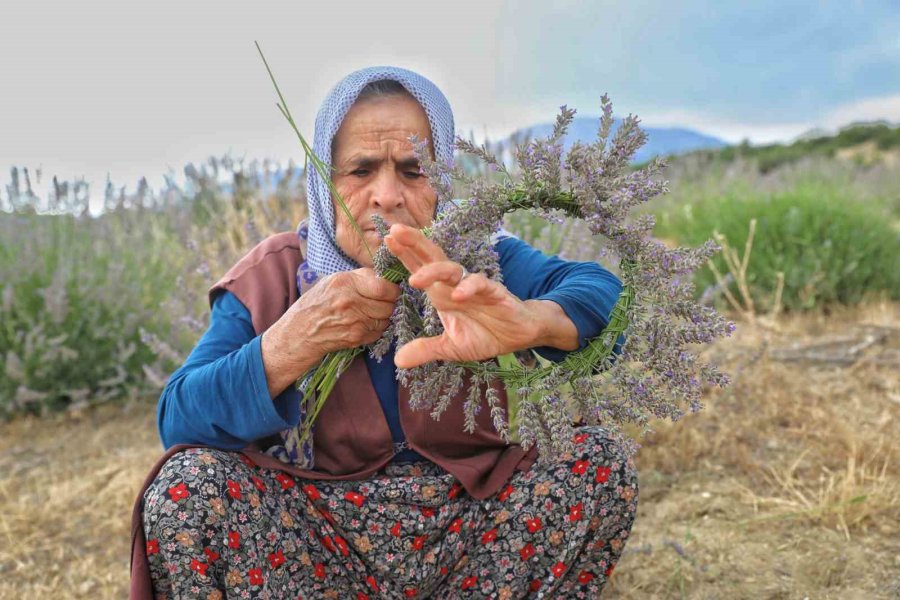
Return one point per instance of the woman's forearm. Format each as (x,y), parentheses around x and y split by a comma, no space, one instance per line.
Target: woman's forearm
(219,396)
(553,327)
(585,291)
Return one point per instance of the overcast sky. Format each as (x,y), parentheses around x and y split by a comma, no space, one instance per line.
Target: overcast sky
(123,88)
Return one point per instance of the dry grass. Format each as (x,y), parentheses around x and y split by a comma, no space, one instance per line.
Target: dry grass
(785,486)
(66,489)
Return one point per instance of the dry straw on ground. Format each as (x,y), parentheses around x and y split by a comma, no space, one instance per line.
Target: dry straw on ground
(786,486)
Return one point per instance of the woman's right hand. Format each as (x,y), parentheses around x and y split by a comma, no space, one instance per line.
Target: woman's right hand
(344,310)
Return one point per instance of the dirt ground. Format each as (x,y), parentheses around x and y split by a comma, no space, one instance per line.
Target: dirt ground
(787,485)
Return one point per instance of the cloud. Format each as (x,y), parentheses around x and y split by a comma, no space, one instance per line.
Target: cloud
(763,132)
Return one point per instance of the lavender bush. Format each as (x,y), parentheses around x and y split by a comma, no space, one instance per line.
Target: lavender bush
(102,308)
(75,293)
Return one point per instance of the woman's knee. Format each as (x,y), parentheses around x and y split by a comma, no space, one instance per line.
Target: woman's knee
(611,463)
(192,474)
(597,443)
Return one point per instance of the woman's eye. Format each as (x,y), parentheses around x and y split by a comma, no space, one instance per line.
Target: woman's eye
(360,172)
(412,174)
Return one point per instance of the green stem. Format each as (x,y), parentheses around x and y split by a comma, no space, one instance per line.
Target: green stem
(320,166)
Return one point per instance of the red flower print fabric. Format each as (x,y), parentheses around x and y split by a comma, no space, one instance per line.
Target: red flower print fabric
(219,526)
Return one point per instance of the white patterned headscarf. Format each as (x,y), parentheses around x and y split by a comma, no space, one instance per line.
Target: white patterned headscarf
(324,256)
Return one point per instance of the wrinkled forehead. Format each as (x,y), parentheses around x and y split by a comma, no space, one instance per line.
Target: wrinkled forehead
(373,119)
(346,93)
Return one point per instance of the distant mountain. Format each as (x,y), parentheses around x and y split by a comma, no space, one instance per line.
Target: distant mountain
(812,134)
(661,141)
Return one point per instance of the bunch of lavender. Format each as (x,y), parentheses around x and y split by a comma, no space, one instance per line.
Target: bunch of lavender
(652,374)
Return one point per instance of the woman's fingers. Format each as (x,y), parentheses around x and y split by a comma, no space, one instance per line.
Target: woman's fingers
(474,285)
(479,286)
(420,351)
(404,254)
(409,243)
(369,285)
(445,271)
(376,310)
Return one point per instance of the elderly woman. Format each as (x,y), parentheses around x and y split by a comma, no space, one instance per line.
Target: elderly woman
(396,504)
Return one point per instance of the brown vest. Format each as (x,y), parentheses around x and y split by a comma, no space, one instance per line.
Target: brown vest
(352,439)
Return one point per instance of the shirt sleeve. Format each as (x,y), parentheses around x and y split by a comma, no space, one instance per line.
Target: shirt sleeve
(586,291)
(219,396)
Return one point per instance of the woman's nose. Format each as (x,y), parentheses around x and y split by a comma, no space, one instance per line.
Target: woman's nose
(387,194)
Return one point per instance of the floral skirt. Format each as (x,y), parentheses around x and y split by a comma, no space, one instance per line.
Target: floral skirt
(218,526)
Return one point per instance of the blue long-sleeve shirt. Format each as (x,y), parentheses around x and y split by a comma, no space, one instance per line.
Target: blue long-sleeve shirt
(219,397)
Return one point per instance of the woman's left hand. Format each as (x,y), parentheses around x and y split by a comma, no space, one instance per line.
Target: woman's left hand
(481,318)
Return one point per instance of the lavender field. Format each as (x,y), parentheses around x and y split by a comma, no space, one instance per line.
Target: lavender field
(787,485)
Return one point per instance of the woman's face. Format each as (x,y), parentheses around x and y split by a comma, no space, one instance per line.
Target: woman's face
(376,171)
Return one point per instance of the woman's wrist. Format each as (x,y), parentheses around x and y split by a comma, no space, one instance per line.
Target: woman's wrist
(282,363)
(551,326)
